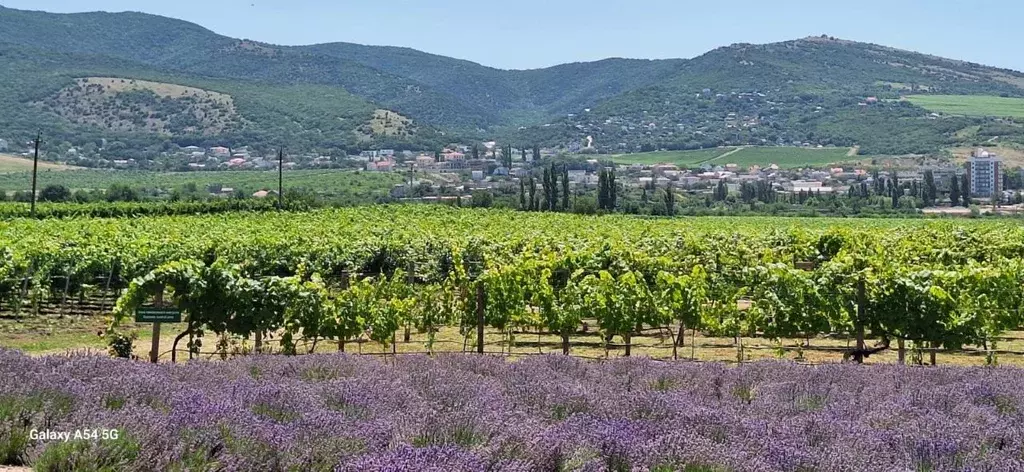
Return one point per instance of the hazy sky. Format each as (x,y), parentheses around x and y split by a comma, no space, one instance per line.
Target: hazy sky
(538,33)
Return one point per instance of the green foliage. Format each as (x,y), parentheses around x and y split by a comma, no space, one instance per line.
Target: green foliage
(90,455)
(121,345)
(971,105)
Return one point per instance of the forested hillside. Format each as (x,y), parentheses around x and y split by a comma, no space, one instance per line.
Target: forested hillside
(815,91)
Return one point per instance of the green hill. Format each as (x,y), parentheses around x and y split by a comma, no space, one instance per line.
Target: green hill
(813,91)
(818,91)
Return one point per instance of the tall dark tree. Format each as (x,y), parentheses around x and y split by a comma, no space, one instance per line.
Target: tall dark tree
(604,190)
(965,191)
(929,193)
(613,191)
(523,153)
(670,201)
(954,191)
(565,188)
(546,185)
(897,192)
(476,152)
(554,188)
(722,191)
(533,191)
(522,195)
(536,152)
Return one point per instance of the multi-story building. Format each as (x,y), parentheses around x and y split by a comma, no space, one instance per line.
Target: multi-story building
(984,174)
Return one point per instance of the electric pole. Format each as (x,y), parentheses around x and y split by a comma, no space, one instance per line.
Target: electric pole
(35,167)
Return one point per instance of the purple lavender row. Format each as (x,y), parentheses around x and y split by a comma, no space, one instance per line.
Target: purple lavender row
(476,413)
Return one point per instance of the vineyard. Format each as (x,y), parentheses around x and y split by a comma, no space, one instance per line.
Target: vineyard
(303,281)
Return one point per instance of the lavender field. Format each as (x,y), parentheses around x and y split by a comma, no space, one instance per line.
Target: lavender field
(473,413)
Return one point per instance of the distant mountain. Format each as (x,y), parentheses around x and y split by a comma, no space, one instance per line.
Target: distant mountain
(818,91)
(330,97)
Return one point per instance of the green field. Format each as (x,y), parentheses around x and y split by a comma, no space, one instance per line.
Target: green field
(785,157)
(9,163)
(329,181)
(680,158)
(971,105)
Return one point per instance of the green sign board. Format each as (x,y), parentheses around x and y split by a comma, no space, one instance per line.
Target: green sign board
(148,314)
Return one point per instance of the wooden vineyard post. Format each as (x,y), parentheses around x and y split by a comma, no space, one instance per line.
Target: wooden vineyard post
(481,299)
(859,323)
(410,279)
(344,286)
(902,352)
(154,351)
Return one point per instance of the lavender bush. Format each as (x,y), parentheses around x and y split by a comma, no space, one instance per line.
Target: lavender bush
(473,413)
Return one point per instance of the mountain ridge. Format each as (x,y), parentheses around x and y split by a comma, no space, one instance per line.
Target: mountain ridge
(811,88)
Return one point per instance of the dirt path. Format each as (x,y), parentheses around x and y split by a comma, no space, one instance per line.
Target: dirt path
(853,151)
(727,154)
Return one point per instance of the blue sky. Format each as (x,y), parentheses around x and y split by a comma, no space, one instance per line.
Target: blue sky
(538,33)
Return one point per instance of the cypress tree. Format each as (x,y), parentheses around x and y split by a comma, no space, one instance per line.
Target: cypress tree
(929,192)
(897,192)
(965,191)
(522,195)
(612,191)
(546,185)
(670,201)
(954,191)
(554,188)
(533,190)
(565,188)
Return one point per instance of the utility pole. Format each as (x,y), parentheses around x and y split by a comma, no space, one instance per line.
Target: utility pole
(280,179)
(35,168)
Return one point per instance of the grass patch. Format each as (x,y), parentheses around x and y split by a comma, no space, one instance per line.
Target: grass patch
(679,158)
(971,105)
(20,414)
(11,163)
(349,409)
(87,455)
(320,374)
(786,157)
(461,434)
(273,413)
